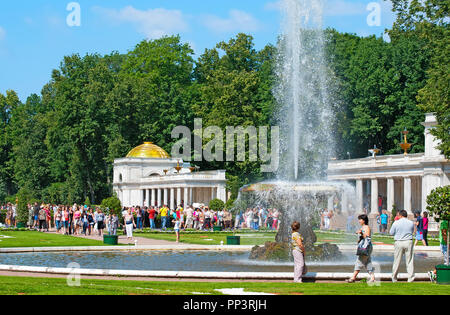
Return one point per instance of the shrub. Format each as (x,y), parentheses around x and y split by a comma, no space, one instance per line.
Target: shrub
(112,205)
(216,205)
(24,197)
(439,203)
(439,206)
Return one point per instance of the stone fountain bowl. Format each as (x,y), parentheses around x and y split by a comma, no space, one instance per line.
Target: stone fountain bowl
(276,251)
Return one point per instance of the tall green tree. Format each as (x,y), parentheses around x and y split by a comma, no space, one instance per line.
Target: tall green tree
(235,82)
(27,130)
(153,94)
(81,116)
(378,83)
(429,20)
(8,104)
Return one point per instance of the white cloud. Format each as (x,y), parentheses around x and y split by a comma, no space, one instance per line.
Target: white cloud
(2,33)
(237,21)
(153,23)
(340,7)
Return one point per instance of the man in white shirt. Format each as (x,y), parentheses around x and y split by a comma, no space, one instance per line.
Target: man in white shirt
(189,219)
(403,231)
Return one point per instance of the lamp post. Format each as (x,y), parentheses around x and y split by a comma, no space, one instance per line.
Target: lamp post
(178,168)
(405,145)
(374,151)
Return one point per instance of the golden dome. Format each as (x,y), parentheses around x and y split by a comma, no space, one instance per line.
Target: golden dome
(148,151)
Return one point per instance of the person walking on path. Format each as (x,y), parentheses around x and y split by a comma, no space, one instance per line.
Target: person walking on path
(419,229)
(298,251)
(42,219)
(443,234)
(36,209)
(364,256)
(384,222)
(113,224)
(58,220)
(152,217)
(177,224)
(49,218)
(139,218)
(189,212)
(425,222)
(129,224)
(403,231)
(65,221)
(164,212)
(100,221)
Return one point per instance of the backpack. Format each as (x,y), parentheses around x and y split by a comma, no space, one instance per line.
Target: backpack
(364,247)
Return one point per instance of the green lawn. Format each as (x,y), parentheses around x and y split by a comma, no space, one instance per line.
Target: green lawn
(211,238)
(37,239)
(48,286)
(259,238)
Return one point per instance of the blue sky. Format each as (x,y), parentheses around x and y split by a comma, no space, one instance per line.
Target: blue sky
(35,36)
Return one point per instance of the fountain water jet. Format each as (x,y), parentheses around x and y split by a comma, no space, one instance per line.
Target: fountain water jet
(305,117)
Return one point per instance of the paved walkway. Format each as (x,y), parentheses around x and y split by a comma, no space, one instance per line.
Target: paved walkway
(141,241)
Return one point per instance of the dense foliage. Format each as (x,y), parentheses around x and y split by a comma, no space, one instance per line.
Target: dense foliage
(439,203)
(60,145)
(429,21)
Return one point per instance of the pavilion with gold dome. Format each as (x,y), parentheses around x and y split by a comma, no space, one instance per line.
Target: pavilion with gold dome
(148,176)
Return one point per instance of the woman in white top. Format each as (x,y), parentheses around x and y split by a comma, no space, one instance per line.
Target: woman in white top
(129,224)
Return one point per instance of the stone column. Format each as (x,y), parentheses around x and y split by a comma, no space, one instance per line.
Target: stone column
(142,203)
(186,197)
(407,204)
(191,195)
(374,196)
(213,193)
(166,196)
(178,196)
(172,198)
(153,202)
(159,198)
(344,202)
(359,195)
(390,194)
(222,193)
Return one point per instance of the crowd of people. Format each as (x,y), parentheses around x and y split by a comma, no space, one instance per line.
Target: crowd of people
(85,220)
(257,218)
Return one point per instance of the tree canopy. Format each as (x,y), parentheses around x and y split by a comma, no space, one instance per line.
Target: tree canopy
(60,145)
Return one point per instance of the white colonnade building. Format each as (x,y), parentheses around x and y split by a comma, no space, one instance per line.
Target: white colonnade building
(401,180)
(148,177)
